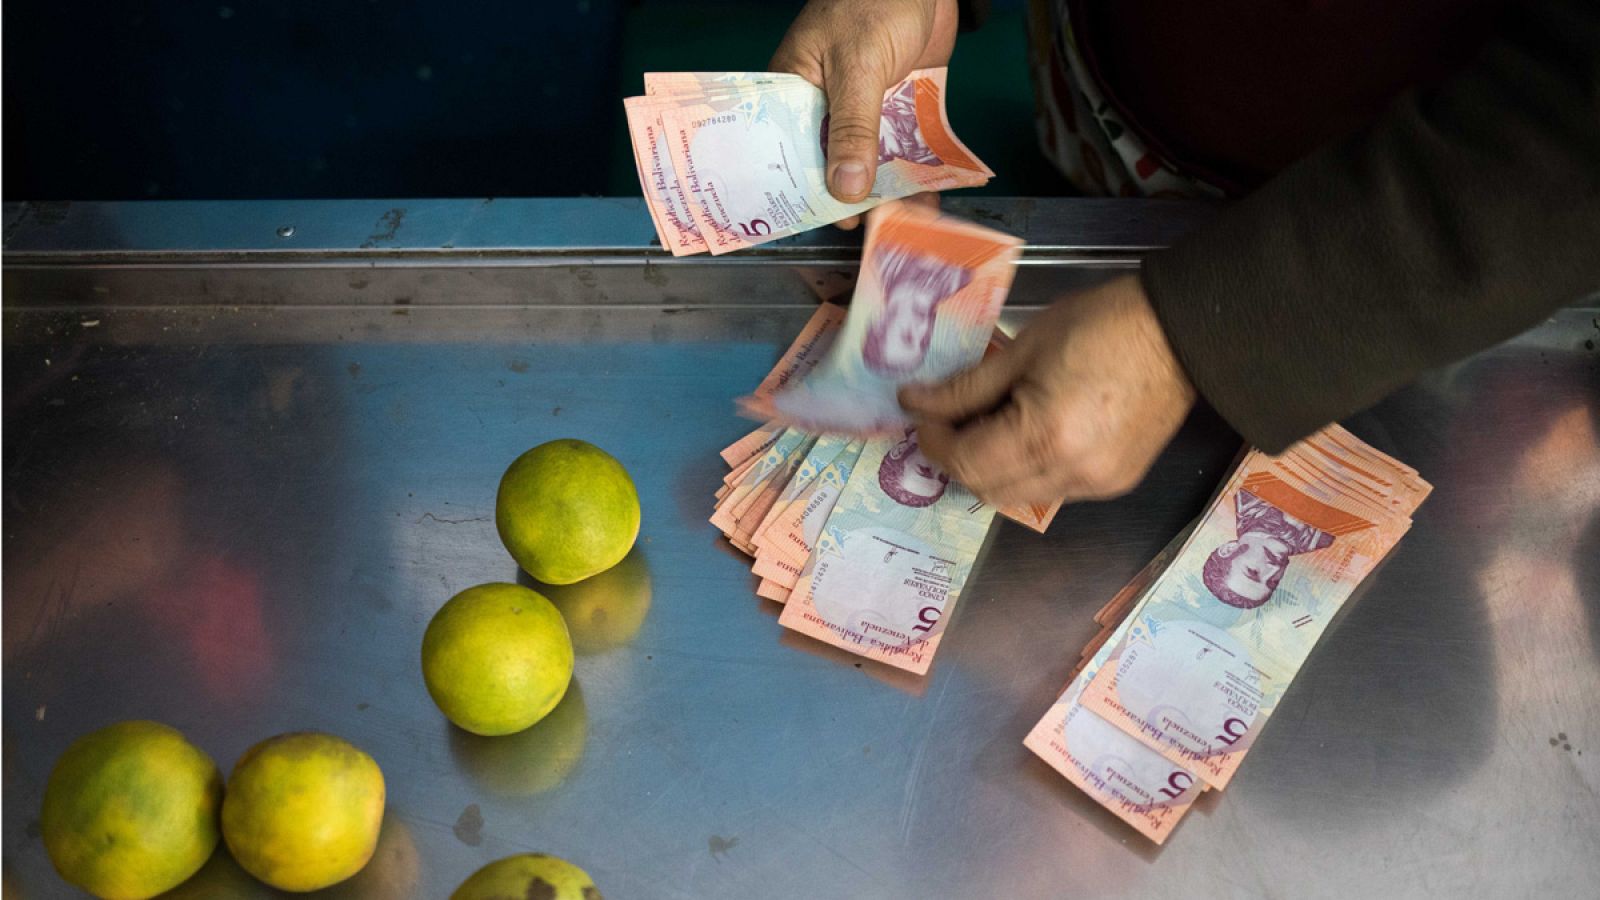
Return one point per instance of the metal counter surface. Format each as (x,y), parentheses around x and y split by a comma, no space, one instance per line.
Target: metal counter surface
(234,509)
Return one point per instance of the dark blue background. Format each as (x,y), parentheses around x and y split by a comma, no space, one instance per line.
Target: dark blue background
(360,98)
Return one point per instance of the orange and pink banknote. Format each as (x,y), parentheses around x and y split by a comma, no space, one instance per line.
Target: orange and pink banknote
(1194,655)
(728,160)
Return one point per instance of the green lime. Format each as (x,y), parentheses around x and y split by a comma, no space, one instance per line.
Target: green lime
(497,658)
(131,810)
(528,875)
(566,510)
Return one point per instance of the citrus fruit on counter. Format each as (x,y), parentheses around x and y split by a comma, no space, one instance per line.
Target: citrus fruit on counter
(528,875)
(303,810)
(607,610)
(131,810)
(497,658)
(566,510)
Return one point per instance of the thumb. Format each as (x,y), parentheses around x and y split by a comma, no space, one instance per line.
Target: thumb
(966,394)
(855,108)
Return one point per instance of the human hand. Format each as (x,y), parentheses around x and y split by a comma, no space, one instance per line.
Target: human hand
(1078,406)
(855,50)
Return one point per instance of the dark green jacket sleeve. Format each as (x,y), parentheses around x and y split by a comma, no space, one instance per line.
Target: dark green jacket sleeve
(1462,217)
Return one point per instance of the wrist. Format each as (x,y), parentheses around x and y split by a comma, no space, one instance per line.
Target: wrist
(1151,342)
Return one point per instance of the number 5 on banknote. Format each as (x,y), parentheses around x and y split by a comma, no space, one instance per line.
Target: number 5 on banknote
(1208,656)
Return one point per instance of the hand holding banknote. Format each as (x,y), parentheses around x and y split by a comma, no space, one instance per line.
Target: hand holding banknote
(855,51)
(1079,406)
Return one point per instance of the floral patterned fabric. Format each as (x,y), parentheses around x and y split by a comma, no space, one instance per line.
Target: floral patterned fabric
(1080,131)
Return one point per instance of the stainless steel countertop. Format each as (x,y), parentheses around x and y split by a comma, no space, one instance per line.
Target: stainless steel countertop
(240,478)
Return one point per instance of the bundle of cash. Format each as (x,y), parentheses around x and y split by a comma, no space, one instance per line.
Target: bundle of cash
(1194,655)
(728,160)
(866,542)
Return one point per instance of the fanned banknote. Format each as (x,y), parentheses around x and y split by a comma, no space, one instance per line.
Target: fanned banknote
(728,160)
(803,355)
(790,501)
(784,546)
(892,558)
(925,307)
(769,473)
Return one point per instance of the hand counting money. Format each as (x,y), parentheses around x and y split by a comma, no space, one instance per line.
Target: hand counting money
(862,537)
(728,160)
(924,308)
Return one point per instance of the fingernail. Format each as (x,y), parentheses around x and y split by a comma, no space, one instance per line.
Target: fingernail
(850,179)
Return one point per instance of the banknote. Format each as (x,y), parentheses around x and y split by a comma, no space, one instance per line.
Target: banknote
(892,558)
(664,195)
(783,547)
(925,306)
(1206,657)
(747,155)
(749,519)
(740,451)
(766,466)
(771,590)
(1136,783)
(758,489)
(806,351)
(1205,638)
(806,471)
(690,84)
(802,355)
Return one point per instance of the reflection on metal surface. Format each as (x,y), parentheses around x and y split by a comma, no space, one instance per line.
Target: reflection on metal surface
(214,608)
(239,522)
(604,611)
(221,876)
(393,873)
(107,528)
(531,761)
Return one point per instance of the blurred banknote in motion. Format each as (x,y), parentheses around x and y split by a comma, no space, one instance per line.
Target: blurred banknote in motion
(925,306)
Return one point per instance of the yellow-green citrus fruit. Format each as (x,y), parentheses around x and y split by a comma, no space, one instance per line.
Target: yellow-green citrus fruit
(566,510)
(528,875)
(497,658)
(303,810)
(131,810)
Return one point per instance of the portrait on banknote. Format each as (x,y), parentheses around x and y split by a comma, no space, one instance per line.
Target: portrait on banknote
(899,133)
(909,478)
(1245,571)
(913,286)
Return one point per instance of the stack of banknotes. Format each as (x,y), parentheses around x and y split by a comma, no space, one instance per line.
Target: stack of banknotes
(728,160)
(862,538)
(1194,655)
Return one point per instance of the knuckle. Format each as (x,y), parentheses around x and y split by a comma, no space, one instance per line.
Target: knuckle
(957,389)
(1108,473)
(961,468)
(853,131)
(956,467)
(1044,448)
